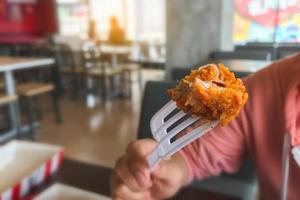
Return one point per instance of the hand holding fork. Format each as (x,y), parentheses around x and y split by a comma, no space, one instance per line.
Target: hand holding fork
(139,175)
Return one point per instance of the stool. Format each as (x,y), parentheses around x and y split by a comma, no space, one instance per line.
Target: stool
(31,90)
(8,99)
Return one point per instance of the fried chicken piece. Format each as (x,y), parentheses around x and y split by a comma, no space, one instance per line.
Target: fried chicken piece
(212,92)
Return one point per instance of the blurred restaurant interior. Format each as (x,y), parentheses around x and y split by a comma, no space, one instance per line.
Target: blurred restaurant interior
(84,77)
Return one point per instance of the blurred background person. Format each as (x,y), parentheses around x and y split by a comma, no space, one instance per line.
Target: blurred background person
(117,34)
(92,31)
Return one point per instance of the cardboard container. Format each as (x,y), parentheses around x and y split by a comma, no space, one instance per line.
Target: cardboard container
(24,165)
(60,191)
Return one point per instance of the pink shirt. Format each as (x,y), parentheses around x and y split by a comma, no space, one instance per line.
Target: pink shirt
(272,110)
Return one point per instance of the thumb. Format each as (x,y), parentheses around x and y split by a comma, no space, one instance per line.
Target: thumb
(168,177)
(137,152)
(172,171)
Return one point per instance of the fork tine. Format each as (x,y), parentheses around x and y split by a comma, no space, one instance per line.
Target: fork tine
(170,105)
(158,118)
(160,131)
(180,127)
(189,137)
(166,149)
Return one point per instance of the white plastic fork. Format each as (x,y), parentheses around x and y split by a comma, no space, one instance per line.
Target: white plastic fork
(159,126)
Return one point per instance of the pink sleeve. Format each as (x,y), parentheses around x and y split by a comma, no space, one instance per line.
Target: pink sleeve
(220,150)
(271,111)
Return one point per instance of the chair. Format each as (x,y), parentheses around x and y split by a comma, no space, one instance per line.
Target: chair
(100,69)
(240,74)
(178,73)
(245,55)
(6,99)
(154,98)
(90,54)
(151,56)
(284,51)
(9,99)
(6,50)
(29,90)
(68,67)
(241,184)
(43,74)
(267,48)
(105,74)
(131,68)
(67,60)
(2,82)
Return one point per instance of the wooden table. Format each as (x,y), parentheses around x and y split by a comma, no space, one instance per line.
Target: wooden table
(249,66)
(96,179)
(7,66)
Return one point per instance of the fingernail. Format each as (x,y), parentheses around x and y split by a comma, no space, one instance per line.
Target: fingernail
(141,179)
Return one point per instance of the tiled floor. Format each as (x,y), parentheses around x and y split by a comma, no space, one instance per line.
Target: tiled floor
(97,135)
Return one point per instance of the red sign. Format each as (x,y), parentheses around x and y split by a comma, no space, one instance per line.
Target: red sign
(17,19)
(27,19)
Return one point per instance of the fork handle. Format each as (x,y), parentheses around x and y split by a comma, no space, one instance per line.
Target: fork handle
(155,156)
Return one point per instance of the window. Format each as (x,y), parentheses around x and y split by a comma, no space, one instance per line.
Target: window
(102,10)
(73,17)
(142,19)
